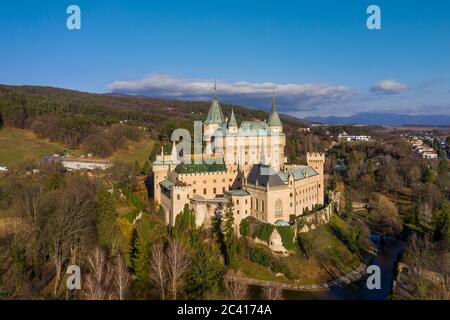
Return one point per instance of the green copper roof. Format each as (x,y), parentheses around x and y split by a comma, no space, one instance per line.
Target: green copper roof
(232,121)
(274,118)
(215,114)
(200,168)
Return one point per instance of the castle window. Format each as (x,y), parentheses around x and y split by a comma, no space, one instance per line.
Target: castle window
(291,195)
(237,201)
(178,197)
(223,189)
(291,204)
(204,191)
(262,205)
(214,181)
(278,208)
(214,190)
(256,203)
(238,212)
(195,191)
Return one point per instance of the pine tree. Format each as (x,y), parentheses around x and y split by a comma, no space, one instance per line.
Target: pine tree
(1,120)
(229,236)
(146,169)
(207,271)
(140,259)
(441,223)
(348,209)
(106,214)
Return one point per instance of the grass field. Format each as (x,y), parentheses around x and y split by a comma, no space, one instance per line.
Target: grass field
(135,151)
(17,145)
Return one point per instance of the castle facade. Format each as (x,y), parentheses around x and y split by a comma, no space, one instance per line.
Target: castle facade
(242,163)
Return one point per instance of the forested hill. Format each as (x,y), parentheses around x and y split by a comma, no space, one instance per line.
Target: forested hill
(80,119)
(21,105)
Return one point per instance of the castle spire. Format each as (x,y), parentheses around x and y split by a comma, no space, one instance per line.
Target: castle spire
(232,121)
(274,118)
(215,114)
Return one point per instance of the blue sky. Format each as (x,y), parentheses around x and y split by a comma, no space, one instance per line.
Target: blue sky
(319,55)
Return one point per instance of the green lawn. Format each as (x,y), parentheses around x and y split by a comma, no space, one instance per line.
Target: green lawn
(17,145)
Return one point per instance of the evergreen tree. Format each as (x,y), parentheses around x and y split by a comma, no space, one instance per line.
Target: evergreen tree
(1,120)
(146,169)
(441,223)
(413,214)
(140,259)
(348,209)
(106,219)
(133,251)
(207,270)
(229,236)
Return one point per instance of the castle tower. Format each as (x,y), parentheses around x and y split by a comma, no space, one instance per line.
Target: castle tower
(213,120)
(232,123)
(277,139)
(274,121)
(316,160)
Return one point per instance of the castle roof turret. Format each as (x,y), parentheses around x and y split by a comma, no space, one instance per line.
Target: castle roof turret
(215,114)
(274,118)
(232,121)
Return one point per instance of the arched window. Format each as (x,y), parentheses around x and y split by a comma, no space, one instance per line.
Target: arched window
(278,208)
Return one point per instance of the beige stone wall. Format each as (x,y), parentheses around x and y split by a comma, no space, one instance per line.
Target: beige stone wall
(318,218)
(241,209)
(208,184)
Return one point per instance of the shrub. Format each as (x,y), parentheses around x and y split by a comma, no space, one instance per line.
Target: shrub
(244,228)
(261,256)
(265,232)
(265,258)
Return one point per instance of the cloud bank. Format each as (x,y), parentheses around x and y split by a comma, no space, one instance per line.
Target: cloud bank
(290,96)
(388,87)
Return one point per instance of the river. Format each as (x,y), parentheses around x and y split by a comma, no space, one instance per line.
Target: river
(386,259)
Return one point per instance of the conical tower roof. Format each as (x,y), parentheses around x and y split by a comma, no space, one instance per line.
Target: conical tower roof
(232,121)
(215,114)
(274,118)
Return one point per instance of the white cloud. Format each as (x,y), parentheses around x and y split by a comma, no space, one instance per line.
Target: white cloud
(290,96)
(388,87)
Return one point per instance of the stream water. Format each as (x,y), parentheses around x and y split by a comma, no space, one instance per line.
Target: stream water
(388,252)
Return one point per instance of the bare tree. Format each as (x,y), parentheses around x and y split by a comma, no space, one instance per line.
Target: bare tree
(98,282)
(178,262)
(272,292)
(158,272)
(236,287)
(68,230)
(121,277)
(31,205)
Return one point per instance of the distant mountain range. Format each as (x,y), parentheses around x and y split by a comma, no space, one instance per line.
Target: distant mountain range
(385,119)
